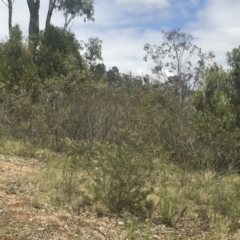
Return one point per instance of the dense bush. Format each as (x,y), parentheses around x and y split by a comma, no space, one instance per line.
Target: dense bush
(17,70)
(113,125)
(55,45)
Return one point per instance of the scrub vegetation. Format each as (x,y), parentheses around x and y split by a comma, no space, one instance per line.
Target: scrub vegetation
(148,157)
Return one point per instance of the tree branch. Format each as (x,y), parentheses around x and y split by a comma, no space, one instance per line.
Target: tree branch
(4,3)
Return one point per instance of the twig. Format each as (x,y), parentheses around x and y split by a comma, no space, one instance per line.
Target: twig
(101,233)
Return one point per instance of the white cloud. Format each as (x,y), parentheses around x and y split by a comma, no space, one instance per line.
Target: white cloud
(217,27)
(124,47)
(140,72)
(144,4)
(21,16)
(126,25)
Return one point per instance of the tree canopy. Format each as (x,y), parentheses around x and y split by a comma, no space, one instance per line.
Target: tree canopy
(174,58)
(69,8)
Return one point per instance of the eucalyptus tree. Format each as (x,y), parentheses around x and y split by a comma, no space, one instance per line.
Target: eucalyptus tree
(69,8)
(174,57)
(179,64)
(33,6)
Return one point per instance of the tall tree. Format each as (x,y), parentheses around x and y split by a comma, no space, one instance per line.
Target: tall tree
(33,6)
(178,56)
(9,4)
(71,9)
(51,6)
(174,56)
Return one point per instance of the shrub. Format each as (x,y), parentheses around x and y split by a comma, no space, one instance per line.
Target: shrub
(122,177)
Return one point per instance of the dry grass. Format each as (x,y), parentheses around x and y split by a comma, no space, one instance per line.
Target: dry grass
(41,198)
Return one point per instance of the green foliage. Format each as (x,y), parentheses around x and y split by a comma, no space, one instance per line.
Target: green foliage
(233,59)
(55,46)
(17,70)
(99,71)
(74,8)
(215,92)
(113,75)
(174,56)
(122,176)
(214,122)
(225,200)
(93,51)
(118,129)
(167,206)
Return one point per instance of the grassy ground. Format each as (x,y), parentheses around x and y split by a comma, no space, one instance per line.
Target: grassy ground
(42,197)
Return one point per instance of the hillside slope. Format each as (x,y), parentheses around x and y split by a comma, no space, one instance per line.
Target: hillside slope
(22,216)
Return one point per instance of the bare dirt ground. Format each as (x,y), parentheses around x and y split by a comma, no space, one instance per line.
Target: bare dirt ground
(21,219)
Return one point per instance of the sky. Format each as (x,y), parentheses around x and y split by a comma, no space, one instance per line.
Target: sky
(125,26)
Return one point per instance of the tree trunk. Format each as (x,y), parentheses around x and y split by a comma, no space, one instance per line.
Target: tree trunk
(9,5)
(33,6)
(10,10)
(51,6)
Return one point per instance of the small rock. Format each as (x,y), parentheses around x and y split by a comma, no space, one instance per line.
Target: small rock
(101,229)
(120,223)
(114,221)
